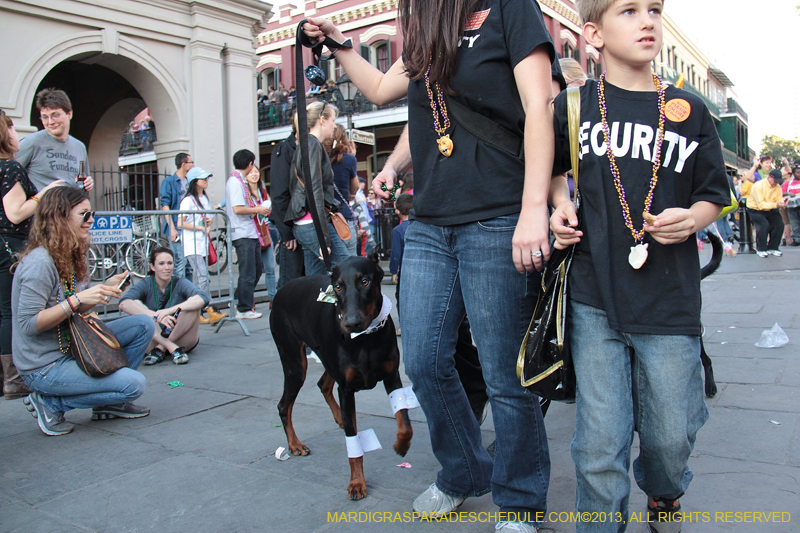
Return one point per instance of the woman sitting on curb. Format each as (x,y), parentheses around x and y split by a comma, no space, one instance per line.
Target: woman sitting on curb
(50,285)
(160,296)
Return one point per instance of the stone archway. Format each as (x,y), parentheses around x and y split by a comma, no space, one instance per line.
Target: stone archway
(151,80)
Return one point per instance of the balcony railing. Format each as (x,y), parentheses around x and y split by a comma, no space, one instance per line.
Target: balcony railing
(276,115)
(136,142)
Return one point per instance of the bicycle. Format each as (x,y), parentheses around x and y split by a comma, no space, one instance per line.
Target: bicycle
(220,240)
(106,260)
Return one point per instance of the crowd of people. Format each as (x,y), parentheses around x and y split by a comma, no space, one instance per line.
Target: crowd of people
(476,250)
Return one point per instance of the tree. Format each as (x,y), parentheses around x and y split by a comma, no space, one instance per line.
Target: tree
(778,148)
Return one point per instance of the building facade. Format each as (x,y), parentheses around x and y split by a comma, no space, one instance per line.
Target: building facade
(372,26)
(191,62)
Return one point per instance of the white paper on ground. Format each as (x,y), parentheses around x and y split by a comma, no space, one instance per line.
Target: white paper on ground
(279,455)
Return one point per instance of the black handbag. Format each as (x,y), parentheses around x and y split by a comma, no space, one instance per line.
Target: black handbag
(94,346)
(544,364)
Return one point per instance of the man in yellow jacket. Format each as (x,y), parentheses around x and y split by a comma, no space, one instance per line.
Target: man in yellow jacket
(763,206)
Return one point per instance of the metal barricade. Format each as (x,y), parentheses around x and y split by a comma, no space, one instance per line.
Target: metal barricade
(385,221)
(107,258)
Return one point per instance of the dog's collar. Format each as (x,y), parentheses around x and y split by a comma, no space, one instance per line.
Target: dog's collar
(379,321)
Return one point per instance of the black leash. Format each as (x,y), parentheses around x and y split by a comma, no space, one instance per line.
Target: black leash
(317,77)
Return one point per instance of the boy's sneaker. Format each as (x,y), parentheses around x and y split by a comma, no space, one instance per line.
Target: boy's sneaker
(521,527)
(435,503)
(50,422)
(248,314)
(762,254)
(776,253)
(661,512)
(121,410)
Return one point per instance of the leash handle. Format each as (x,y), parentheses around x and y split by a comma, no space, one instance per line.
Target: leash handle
(302,132)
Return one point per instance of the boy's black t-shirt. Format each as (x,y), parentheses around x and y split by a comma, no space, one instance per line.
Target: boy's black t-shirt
(478,181)
(662,297)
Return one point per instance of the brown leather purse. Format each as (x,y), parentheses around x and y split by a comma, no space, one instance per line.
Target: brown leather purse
(94,346)
(341,226)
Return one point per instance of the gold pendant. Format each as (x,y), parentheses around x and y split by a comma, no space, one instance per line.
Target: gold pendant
(638,255)
(445,145)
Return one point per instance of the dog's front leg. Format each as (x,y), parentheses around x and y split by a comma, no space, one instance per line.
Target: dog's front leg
(404,431)
(357,488)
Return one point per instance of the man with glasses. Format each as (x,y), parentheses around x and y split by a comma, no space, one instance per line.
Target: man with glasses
(173,189)
(53,154)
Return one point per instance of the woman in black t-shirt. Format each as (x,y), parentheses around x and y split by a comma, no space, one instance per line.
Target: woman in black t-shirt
(479,230)
(20,198)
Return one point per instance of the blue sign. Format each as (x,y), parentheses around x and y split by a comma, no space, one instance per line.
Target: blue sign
(112,230)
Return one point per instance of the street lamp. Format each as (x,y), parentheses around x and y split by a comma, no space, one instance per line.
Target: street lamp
(348,91)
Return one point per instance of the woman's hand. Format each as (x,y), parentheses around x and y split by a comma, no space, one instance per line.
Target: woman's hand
(317,28)
(57,183)
(99,294)
(531,238)
(563,223)
(164,316)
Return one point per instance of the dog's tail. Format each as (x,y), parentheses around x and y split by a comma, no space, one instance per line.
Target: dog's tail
(717,251)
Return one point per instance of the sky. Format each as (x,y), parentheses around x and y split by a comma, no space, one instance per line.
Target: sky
(757,45)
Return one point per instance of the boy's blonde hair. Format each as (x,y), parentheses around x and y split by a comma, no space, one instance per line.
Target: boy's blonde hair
(592,10)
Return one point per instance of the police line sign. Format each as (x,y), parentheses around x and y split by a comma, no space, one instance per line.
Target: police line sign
(112,230)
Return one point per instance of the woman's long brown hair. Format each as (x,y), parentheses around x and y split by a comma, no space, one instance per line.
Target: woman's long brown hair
(52,231)
(340,138)
(432,30)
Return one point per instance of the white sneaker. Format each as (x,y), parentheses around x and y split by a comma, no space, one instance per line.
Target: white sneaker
(762,254)
(248,314)
(435,503)
(515,526)
(776,253)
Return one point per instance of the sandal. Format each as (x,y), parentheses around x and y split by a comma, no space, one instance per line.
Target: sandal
(179,357)
(154,357)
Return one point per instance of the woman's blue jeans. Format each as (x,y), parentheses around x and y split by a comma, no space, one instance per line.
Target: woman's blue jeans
(631,382)
(306,235)
(268,260)
(450,271)
(63,386)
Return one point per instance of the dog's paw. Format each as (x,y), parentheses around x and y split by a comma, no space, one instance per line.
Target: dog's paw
(299,449)
(401,446)
(357,490)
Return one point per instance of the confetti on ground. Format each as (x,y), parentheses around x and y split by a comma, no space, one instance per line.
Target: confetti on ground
(731,327)
(279,455)
(404,465)
(775,422)
(278,425)
(719,331)
(724,342)
(173,384)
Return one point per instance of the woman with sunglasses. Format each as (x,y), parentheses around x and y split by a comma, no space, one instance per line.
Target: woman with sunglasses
(321,123)
(20,198)
(51,285)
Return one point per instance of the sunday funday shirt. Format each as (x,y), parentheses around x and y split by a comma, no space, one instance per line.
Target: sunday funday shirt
(663,297)
(478,181)
(46,159)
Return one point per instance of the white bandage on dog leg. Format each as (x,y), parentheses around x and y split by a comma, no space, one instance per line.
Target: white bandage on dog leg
(403,399)
(354,447)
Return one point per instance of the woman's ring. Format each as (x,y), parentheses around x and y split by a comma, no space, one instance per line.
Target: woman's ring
(105,298)
(537,254)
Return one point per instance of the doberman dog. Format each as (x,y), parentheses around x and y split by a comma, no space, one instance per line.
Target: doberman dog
(299,319)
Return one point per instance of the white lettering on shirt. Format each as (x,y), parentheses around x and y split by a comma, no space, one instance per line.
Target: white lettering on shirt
(639,141)
(471,39)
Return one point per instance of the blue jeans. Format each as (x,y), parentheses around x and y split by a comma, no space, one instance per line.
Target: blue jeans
(250,268)
(352,243)
(63,386)
(450,271)
(306,235)
(180,268)
(626,382)
(268,261)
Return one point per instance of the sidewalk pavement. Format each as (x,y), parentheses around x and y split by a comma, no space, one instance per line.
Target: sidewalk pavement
(203,460)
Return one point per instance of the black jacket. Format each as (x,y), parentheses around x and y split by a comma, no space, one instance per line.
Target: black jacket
(320,181)
(280,170)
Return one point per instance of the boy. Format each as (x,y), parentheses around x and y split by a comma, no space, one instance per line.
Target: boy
(634,312)
(402,207)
